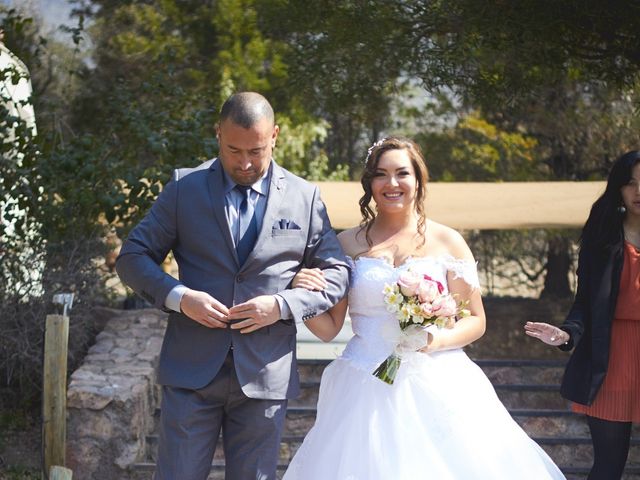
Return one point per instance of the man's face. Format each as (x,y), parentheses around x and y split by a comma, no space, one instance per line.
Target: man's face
(245,153)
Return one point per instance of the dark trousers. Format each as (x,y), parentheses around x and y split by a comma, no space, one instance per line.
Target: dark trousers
(611,442)
(191,421)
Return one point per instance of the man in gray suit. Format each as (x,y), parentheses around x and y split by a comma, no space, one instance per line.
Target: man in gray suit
(240,227)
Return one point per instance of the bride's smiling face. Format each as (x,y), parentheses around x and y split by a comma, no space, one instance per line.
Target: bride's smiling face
(394,183)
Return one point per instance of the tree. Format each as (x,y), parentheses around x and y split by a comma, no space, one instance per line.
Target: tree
(558,73)
(338,64)
(44,249)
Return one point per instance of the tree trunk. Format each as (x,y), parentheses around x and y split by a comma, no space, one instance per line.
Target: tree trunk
(556,281)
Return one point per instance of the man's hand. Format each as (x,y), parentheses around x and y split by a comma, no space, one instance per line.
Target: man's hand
(204,309)
(255,313)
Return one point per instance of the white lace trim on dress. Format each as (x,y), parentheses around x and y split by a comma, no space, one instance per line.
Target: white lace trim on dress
(461,268)
(465,269)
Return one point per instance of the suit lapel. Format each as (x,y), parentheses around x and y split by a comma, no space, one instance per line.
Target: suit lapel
(216,191)
(277,188)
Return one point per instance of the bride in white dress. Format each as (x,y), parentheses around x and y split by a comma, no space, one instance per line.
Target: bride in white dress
(441,418)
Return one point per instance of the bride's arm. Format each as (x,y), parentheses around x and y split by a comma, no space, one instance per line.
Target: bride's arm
(468,329)
(328,324)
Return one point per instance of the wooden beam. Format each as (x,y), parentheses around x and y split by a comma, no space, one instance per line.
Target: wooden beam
(54,392)
(464,206)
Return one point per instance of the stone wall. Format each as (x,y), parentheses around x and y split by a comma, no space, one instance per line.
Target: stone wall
(112,397)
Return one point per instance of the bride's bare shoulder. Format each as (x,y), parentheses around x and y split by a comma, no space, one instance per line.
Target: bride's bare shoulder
(353,241)
(450,239)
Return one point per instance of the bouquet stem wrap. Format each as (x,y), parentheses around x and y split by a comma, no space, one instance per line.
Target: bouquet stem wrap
(388,369)
(412,338)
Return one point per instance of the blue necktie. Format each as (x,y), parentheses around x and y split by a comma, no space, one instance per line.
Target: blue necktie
(248,224)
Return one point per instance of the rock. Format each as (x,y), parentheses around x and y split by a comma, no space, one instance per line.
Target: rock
(112,397)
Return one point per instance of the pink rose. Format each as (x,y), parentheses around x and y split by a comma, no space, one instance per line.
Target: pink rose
(429,279)
(409,283)
(427,309)
(445,306)
(428,291)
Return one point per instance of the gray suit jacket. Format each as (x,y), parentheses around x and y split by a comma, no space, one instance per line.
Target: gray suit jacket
(189,218)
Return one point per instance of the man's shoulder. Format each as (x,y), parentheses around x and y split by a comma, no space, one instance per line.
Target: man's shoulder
(294,180)
(180,173)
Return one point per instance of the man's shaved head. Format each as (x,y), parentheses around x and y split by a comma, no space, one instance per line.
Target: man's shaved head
(246,109)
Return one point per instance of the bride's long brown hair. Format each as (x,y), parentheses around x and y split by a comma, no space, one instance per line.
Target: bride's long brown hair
(422,176)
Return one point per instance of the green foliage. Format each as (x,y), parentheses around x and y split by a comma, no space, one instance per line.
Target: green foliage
(349,58)
(476,150)
(319,170)
(50,235)
(298,151)
(245,59)
(501,52)
(339,64)
(174,63)
(22,473)
(580,127)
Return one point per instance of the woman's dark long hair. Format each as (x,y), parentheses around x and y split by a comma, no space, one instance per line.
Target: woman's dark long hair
(603,229)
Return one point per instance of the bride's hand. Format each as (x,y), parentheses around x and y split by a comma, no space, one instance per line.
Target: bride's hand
(309,278)
(431,345)
(546,333)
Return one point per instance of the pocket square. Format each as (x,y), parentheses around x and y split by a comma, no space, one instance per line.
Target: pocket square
(284,224)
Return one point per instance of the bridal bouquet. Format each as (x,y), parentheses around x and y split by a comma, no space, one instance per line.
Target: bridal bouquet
(419,302)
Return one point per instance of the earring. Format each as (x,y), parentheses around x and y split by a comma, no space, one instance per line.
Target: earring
(621,209)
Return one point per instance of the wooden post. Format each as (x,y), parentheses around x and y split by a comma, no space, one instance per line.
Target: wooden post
(54,392)
(60,473)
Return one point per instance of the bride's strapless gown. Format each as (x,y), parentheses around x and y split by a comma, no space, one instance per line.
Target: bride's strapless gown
(441,419)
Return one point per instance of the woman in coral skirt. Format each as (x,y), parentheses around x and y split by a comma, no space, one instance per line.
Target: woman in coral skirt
(602,377)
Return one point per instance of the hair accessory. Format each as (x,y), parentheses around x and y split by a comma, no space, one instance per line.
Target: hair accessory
(372,147)
(621,209)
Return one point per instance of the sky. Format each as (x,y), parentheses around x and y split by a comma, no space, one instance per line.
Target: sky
(52,12)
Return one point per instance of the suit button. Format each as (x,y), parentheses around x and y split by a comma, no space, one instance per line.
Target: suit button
(239,278)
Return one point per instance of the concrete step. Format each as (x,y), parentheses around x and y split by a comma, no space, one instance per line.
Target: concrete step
(144,471)
(518,383)
(537,423)
(631,472)
(499,372)
(567,451)
(564,435)
(573,455)
(512,396)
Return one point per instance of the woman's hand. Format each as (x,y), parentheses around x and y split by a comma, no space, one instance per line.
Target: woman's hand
(309,278)
(546,333)
(431,345)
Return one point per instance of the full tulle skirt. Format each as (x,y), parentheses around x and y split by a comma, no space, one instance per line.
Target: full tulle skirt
(441,419)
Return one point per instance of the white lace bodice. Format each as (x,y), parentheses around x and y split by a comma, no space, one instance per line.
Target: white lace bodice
(375,329)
